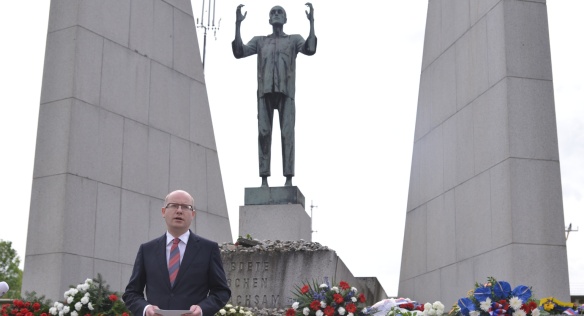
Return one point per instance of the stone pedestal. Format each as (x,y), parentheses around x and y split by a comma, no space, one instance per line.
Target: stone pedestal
(267,279)
(275,213)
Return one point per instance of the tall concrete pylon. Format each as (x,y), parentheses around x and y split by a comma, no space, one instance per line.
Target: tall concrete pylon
(485,195)
(124,119)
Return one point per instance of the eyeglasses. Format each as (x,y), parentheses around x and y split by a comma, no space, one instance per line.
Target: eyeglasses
(175,206)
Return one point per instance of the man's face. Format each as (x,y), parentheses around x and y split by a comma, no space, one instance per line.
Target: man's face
(278,15)
(179,212)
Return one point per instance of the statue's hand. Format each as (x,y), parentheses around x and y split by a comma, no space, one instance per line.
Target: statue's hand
(238,16)
(310,15)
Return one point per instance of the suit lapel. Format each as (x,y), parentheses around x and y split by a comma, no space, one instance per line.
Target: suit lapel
(188,257)
(161,257)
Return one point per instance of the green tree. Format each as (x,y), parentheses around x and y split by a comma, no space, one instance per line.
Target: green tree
(9,270)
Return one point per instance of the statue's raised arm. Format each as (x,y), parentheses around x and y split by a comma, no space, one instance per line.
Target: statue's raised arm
(310,45)
(237,42)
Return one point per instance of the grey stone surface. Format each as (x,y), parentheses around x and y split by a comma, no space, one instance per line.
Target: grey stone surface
(455,21)
(275,222)
(215,193)
(473,217)
(134,166)
(490,113)
(490,164)
(502,232)
(414,252)
(125,82)
(62,14)
(265,276)
(479,8)
(201,127)
(135,209)
(124,119)
(439,216)
(431,165)
(198,172)
(107,223)
(73,66)
(52,138)
(169,101)
(532,119)
(372,284)
(108,18)
(497,50)
(472,69)
(210,225)
(533,204)
(526,28)
(273,196)
(186,47)
(158,163)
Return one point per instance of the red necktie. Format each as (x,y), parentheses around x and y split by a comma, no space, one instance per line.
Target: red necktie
(174,261)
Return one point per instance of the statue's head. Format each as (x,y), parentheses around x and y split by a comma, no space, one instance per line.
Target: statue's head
(278,15)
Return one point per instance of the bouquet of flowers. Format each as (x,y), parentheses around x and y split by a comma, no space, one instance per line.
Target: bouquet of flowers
(19,307)
(496,298)
(91,297)
(324,299)
(31,305)
(555,306)
(405,307)
(230,310)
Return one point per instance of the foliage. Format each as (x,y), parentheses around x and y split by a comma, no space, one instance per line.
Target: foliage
(9,270)
(92,297)
(312,299)
(495,298)
(230,310)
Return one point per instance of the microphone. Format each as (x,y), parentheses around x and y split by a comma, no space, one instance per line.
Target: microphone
(3,288)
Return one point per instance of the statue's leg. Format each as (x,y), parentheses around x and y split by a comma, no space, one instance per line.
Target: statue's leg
(287,113)
(265,119)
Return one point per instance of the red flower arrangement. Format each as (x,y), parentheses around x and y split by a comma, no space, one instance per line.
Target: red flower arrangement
(23,308)
(326,300)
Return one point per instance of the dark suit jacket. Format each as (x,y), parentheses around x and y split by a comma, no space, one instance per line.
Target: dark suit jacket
(200,280)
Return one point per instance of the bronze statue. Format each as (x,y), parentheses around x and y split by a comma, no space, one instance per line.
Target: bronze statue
(276,83)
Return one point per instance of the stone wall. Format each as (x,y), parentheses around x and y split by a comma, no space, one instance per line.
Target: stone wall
(266,275)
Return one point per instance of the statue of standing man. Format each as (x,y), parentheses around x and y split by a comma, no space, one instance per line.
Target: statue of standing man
(276,83)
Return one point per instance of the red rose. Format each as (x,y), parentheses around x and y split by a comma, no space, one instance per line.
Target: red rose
(29,314)
(44,314)
(304,289)
(351,308)
(362,298)
(329,311)
(290,312)
(338,298)
(36,306)
(113,297)
(344,285)
(315,305)
(125,314)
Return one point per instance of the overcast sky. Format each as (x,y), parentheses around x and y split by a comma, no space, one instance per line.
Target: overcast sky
(356,105)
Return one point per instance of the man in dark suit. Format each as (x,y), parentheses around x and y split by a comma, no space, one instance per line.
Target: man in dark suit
(195,282)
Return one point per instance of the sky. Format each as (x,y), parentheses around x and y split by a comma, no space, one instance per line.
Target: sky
(356,101)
